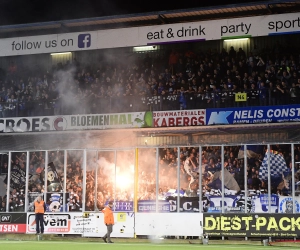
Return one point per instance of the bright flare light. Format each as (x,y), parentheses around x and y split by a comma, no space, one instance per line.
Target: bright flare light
(124,181)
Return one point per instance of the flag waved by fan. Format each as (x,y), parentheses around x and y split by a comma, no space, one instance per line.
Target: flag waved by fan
(252,151)
(54,182)
(278,168)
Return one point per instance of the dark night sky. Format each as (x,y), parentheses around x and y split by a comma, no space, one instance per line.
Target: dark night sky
(29,11)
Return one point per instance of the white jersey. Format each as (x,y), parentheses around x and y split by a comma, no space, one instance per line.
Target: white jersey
(188,166)
(188,169)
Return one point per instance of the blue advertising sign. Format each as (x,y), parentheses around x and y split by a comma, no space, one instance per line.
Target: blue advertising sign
(54,203)
(239,203)
(252,115)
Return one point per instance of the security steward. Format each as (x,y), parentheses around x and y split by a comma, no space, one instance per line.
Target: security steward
(108,221)
(39,209)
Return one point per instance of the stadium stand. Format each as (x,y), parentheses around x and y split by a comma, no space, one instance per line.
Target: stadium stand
(179,80)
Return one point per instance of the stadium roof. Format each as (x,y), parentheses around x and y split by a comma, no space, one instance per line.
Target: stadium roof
(152,18)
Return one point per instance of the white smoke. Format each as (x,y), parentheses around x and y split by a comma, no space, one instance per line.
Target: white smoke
(107,167)
(155,239)
(67,88)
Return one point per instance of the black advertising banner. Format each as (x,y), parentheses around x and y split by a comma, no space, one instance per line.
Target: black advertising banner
(13,222)
(251,225)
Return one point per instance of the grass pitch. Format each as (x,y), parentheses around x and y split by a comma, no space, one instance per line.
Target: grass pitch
(62,245)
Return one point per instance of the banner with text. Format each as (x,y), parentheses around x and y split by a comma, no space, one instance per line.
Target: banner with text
(89,224)
(241,204)
(53,223)
(252,225)
(13,223)
(76,122)
(179,118)
(149,206)
(176,118)
(253,115)
(153,35)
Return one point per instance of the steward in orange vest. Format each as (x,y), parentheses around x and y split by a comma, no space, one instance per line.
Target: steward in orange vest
(108,221)
(39,209)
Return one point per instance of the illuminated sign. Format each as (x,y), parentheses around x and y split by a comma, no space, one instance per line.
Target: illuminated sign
(252,225)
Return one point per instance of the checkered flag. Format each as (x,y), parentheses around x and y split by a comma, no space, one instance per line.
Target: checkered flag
(277,166)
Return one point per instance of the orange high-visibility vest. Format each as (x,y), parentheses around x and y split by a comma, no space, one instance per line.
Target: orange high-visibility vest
(39,207)
(108,216)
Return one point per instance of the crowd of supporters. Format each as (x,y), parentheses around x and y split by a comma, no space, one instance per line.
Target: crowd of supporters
(181,79)
(107,180)
(36,179)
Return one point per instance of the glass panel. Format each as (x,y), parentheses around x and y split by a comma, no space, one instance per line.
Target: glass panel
(36,173)
(282,168)
(17,182)
(296,170)
(167,179)
(55,169)
(91,169)
(189,179)
(257,179)
(124,181)
(105,178)
(74,176)
(146,180)
(3,180)
(212,178)
(234,179)
(55,182)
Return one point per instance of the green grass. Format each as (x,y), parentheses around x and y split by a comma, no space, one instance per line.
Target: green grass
(77,245)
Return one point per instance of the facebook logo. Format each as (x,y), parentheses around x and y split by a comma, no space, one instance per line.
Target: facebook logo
(84,40)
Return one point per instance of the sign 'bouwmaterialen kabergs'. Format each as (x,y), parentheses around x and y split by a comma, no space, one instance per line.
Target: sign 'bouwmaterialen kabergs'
(252,225)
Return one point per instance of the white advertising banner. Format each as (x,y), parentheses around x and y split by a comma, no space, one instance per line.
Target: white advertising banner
(178,118)
(75,122)
(87,224)
(94,225)
(53,223)
(177,224)
(48,43)
(150,35)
